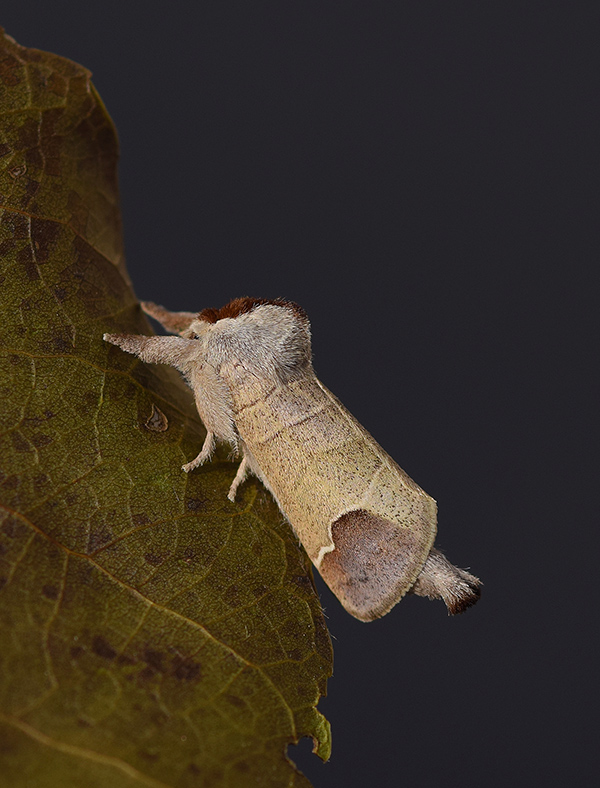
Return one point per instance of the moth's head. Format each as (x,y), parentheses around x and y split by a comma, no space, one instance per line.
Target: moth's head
(271,332)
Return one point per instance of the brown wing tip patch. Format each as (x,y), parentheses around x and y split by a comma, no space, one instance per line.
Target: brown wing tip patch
(439,579)
(373,564)
(245,304)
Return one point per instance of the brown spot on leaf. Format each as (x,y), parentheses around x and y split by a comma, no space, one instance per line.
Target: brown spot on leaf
(155,659)
(76,651)
(12,482)
(44,235)
(4,149)
(195,504)
(124,659)
(31,190)
(185,669)
(151,757)
(304,582)
(235,701)
(19,225)
(98,539)
(50,591)
(20,443)
(295,654)
(61,344)
(140,519)
(83,723)
(102,648)
(153,560)
(3,582)
(157,421)
(41,440)
(232,596)
(194,769)
(147,674)
(188,555)
(60,294)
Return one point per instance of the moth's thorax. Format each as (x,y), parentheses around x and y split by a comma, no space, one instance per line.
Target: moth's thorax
(269,343)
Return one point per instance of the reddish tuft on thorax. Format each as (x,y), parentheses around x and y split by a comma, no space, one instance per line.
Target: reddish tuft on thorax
(240,306)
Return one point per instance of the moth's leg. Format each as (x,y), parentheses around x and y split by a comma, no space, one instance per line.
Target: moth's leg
(439,579)
(207,449)
(171,321)
(241,474)
(156,350)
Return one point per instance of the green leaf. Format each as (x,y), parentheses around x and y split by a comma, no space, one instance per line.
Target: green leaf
(153,633)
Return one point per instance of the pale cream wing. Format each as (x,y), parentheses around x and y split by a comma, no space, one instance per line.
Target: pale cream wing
(333,481)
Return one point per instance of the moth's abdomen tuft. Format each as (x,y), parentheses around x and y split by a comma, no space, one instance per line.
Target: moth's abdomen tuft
(439,579)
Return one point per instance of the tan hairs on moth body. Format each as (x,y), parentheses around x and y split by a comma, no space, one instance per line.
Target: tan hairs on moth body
(366,526)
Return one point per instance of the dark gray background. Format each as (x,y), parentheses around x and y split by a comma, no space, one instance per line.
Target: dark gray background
(418,175)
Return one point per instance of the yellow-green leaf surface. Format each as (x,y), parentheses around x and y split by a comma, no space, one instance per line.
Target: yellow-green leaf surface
(152,632)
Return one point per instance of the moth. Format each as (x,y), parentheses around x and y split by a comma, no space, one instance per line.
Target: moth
(365,524)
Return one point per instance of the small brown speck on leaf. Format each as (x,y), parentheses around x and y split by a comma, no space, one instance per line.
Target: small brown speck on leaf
(147,674)
(98,539)
(153,560)
(20,443)
(151,757)
(157,421)
(102,648)
(185,669)
(41,440)
(50,591)
(155,659)
(195,504)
